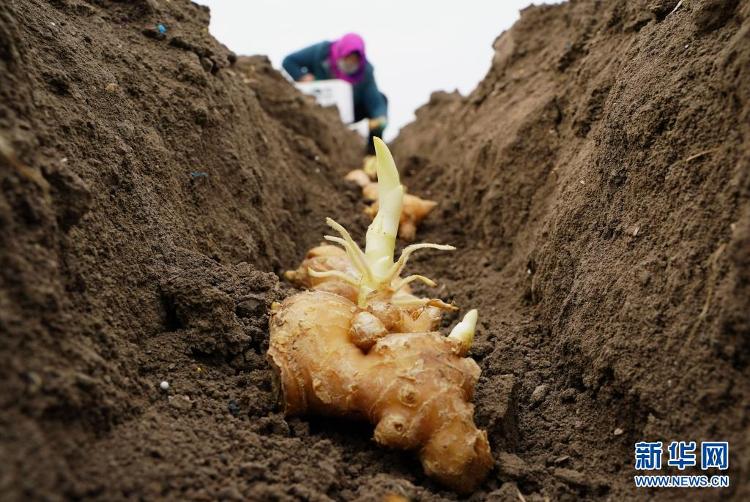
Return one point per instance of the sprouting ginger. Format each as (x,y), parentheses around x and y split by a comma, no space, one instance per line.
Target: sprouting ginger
(414,210)
(360,177)
(324,258)
(361,345)
(311,274)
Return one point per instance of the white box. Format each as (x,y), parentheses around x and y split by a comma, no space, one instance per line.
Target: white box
(331,93)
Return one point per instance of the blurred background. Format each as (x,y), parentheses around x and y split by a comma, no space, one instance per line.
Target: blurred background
(415,47)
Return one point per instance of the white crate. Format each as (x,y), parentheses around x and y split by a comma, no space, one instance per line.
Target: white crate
(331,93)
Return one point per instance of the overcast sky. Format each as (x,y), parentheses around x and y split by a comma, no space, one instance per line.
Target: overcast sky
(416,47)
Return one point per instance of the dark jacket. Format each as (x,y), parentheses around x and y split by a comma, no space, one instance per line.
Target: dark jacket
(369,102)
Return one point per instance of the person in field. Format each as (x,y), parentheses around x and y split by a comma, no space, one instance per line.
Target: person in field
(344,59)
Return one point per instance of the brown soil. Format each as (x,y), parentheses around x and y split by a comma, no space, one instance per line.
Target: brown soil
(599,181)
(153,186)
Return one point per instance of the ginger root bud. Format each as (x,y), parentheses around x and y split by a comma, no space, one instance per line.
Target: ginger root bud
(415,387)
(415,209)
(321,260)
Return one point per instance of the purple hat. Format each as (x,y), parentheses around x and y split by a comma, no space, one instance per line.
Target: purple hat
(349,43)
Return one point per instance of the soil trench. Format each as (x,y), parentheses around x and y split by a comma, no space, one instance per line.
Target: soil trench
(155,186)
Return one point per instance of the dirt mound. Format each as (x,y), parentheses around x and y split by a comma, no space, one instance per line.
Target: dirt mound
(599,179)
(146,182)
(154,185)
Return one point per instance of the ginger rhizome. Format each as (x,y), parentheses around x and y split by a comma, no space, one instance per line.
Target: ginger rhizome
(361,345)
(413,211)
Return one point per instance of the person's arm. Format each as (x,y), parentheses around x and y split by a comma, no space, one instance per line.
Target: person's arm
(375,103)
(299,64)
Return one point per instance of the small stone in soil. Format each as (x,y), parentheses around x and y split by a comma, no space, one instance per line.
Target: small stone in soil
(233,407)
(539,393)
(164,385)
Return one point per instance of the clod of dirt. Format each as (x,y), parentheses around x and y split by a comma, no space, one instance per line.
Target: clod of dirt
(511,466)
(180,402)
(711,14)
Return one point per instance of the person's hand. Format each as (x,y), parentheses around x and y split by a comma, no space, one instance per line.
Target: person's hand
(377,122)
(307,77)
